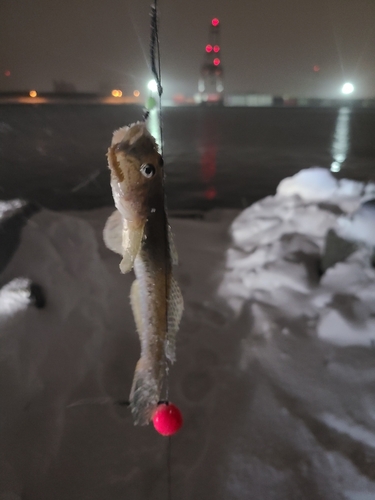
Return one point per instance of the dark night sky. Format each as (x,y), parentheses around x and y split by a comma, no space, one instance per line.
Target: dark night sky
(269,46)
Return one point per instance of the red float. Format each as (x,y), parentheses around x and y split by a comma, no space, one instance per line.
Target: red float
(167,419)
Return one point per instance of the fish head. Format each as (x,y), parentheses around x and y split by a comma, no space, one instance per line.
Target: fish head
(136,172)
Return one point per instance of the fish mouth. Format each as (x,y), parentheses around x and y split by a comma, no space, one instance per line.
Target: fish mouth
(119,135)
(130,135)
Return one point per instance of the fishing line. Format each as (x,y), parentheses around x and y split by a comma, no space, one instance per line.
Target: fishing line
(155,64)
(169,471)
(155,48)
(156,71)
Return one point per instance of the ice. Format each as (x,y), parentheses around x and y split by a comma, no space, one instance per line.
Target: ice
(275,362)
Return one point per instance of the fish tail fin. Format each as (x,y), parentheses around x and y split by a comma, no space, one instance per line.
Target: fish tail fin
(145,392)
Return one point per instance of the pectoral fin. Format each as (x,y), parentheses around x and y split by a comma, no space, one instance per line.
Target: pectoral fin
(122,239)
(112,232)
(131,243)
(175,309)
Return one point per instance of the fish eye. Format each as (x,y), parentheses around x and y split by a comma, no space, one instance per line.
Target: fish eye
(148,170)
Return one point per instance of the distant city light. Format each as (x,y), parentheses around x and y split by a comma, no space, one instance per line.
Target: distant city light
(316,68)
(7,72)
(216,48)
(208,48)
(347,88)
(116,93)
(136,93)
(215,21)
(216,61)
(152,85)
(33,93)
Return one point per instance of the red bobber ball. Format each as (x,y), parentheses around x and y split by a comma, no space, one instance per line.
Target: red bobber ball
(167,419)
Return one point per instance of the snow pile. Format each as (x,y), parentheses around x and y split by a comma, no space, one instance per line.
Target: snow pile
(275,260)
(307,429)
(318,185)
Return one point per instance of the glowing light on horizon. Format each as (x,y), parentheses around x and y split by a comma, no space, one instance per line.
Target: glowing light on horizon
(347,88)
(116,93)
(152,85)
(136,93)
(33,93)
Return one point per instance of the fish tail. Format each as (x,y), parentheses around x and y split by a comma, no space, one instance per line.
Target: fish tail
(145,392)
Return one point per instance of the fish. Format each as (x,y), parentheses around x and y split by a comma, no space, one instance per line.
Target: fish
(139,231)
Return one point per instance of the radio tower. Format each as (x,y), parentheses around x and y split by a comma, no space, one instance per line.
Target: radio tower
(210,85)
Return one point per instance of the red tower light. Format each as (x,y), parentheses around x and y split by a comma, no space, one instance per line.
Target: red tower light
(316,68)
(216,48)
(216,61)
(208,48)
(215,21)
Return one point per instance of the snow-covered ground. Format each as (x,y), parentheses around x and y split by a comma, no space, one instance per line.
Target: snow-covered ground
(275,367)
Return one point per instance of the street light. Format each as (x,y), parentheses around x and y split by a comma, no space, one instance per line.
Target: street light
(347,88)
(152,85)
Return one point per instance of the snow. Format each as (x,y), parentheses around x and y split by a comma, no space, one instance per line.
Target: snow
(313,184)
(277,246)
(14,298)
(274,371)
(11,207)
(360,226)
